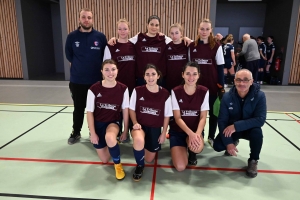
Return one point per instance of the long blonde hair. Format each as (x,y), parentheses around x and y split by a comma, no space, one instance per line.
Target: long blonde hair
(211,39)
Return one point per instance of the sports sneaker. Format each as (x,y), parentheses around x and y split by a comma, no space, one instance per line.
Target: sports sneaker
(192,159)
(252,168)
(120,174)
(235,143)
(74,137)
(210,142)
(127,139)
(138,173)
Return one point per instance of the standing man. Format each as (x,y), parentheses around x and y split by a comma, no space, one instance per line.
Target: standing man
(250,50)
(242,114)
(84,50)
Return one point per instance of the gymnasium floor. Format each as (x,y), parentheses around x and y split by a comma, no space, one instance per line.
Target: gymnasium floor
(37,163)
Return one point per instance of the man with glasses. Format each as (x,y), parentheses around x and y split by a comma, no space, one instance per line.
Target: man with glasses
(242,114)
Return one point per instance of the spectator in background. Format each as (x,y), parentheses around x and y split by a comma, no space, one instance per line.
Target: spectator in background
(262,60)
(250,50)
(270,57)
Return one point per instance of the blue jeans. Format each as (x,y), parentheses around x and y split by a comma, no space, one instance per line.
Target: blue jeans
(254,136)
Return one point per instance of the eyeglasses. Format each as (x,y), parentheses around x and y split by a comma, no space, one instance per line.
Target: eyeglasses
(241,80)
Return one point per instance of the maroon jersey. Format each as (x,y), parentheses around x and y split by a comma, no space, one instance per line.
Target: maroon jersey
(150,50)
(150,107)
(190,106)
(206,59)
(108,101)
(177,57)
(124,55)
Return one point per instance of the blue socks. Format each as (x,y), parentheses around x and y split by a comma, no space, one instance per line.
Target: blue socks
(115,153)
(139,156)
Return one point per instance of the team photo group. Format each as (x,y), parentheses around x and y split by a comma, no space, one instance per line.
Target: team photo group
(155,86)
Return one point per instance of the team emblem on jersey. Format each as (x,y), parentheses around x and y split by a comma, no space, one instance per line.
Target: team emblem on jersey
(142,99)
(144,40)
(169,48)
(189,113)
(96,43)
(150,111)
(180,101)
(99,95)
(77,44)
(195,50)
(117,50)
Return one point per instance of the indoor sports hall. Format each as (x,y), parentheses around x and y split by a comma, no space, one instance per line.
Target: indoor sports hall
(36,108)
(37,163)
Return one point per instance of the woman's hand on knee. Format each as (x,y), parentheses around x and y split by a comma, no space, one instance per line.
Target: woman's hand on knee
(137,126)
(194,139)
(94,138)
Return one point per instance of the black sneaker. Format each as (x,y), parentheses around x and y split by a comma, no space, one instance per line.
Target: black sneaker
(235,143)
(138,173)
(74,137)
(252,168)
(192,159)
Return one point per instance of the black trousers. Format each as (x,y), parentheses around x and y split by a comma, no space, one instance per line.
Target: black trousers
(253,67)
(79,95)
(254,136)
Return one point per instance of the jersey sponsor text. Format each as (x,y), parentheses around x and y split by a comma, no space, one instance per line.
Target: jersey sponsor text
(189,113)
(202,61)
(151,49)
(177,57)
(107,106)
(126,58)
(150,111)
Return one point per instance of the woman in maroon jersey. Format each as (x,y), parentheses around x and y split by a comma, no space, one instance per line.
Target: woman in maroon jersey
(123,53)
(209,56)
(105,100)
(150,48)
(150,110)
(190,106)
(177,56)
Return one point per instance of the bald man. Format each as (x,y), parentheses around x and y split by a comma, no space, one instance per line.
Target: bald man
(251,53)
(242,114)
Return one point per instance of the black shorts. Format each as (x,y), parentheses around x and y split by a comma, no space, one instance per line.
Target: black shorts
(262,64)
(100,128)
(151,138)
(228,65)
(177,139)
